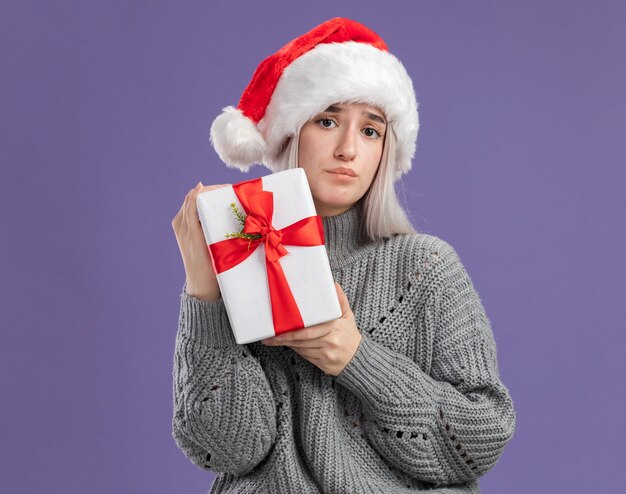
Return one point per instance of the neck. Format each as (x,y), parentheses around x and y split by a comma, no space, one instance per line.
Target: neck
(344,236)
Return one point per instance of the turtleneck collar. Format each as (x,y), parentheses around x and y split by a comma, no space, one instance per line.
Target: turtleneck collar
(344,236)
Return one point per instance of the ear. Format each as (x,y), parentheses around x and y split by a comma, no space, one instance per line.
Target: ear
(343,300)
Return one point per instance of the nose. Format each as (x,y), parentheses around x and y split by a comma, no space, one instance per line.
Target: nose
(346,147)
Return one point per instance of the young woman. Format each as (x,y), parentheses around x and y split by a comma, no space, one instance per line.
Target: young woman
(402,392)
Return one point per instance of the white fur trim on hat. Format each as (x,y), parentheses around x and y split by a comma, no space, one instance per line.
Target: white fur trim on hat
(342,73)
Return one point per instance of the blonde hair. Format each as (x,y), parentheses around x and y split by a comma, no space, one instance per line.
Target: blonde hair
(383,216)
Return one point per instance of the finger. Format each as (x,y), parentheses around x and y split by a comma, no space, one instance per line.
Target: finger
(185,204)
(309,344)
(179,215)
(190,206)
(205,188)
(343,300)
(190,211)
(310,333)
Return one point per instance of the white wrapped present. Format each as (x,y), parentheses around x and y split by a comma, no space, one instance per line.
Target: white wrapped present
(278,278)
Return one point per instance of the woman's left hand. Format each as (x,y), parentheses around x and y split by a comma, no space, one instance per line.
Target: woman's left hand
(330,345)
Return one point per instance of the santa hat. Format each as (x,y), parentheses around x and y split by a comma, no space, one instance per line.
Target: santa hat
(339,61)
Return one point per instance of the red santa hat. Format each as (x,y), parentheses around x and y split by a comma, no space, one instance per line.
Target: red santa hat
(339,61)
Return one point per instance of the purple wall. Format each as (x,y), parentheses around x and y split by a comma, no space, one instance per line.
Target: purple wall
(105,111)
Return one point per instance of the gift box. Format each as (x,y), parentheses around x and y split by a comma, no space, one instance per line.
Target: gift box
(278,278)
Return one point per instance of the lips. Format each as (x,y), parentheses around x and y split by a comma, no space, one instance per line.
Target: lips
(343,171)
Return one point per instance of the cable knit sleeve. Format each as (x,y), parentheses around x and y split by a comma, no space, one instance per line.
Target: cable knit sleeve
(449,426)
(224,410)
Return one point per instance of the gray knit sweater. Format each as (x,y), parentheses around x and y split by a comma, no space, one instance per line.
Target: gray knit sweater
(420,405)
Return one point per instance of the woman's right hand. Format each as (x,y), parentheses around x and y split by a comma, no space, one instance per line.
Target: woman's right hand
(200,275)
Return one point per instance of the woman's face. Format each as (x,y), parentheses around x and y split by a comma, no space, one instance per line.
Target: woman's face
(340,150)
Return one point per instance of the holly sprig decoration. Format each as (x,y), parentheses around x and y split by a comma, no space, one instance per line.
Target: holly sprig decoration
(242,220)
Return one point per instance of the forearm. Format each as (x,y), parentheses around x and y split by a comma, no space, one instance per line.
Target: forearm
(430,429)
(224,408)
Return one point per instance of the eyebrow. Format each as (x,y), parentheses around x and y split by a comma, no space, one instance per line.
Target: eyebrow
(370,115)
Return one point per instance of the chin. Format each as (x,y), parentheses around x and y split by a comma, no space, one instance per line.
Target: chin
(335,205)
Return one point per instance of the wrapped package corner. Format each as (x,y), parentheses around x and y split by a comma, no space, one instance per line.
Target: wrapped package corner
(283,281)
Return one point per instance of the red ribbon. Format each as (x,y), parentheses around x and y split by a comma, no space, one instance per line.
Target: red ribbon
(259,206)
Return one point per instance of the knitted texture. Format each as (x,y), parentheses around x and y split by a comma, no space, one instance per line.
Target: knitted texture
(419,407)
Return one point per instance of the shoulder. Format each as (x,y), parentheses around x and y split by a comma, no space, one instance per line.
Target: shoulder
(426,250)
(430,258)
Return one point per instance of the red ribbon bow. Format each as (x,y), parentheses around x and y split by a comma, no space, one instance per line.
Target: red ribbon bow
(226,254)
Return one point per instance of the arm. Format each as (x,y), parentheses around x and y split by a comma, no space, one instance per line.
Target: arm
(450,426)
(224,410)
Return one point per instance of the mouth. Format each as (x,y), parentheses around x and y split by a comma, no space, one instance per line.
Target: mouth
(342,177)
(346,172)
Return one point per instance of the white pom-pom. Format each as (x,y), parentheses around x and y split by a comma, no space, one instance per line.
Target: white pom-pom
(236,139)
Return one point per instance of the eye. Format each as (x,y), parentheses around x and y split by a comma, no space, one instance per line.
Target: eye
(374,133)
(325,122)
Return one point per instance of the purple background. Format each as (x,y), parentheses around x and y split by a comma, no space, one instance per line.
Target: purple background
(105,111)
